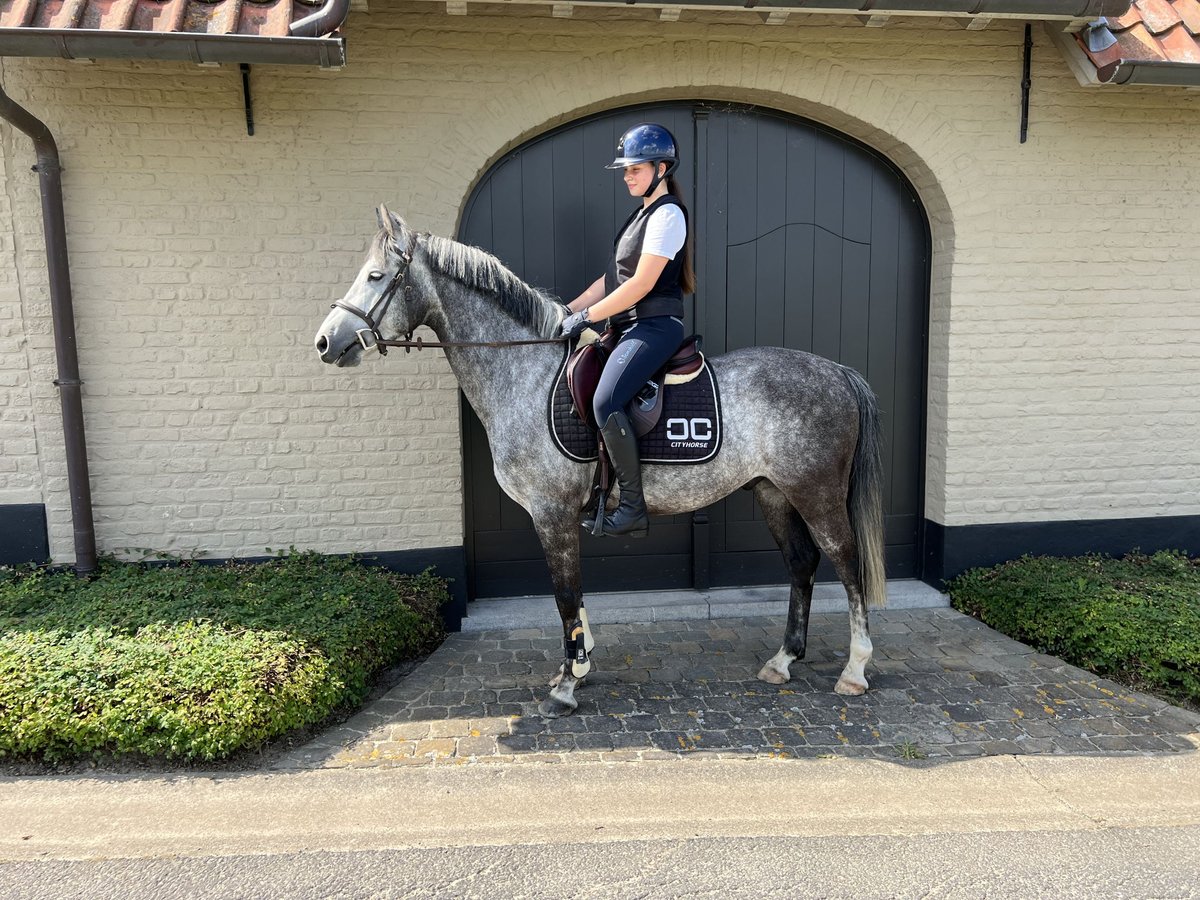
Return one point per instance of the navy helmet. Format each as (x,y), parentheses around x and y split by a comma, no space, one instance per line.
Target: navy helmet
(647,143)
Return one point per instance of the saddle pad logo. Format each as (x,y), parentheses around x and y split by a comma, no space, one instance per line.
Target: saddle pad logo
(689,430)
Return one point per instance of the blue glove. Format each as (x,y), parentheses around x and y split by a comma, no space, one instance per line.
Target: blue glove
(574,324)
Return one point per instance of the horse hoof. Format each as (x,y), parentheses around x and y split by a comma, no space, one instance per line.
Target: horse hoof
(849,688)
(773,676)
(553,708)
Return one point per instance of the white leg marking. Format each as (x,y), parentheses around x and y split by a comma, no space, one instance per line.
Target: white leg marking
(776,669)
(854,679)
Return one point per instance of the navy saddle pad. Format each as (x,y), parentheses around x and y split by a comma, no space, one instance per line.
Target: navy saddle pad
(688,431)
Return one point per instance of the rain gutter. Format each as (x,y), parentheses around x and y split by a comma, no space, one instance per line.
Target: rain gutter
(93,43)
(1150,71)
(1033,9)
(63,316)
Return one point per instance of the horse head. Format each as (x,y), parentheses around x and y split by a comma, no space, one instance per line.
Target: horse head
(385,300)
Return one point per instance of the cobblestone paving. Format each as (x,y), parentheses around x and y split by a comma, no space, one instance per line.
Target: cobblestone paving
(942,686)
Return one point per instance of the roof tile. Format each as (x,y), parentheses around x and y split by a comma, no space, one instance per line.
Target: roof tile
(1120,23)
(1152,30)
(265,18)
(1158,15)
(1189,11)
(17,14)
(1180,46)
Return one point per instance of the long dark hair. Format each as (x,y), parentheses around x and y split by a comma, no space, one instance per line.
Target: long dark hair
(687,276)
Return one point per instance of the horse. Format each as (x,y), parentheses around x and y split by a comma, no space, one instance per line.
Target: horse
(801,431)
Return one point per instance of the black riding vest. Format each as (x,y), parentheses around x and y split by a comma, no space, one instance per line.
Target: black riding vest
(666,297)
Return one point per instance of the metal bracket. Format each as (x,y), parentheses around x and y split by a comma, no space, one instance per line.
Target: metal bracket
(245,67)
(1026,82)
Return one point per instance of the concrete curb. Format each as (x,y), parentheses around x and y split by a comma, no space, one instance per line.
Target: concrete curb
(633,607)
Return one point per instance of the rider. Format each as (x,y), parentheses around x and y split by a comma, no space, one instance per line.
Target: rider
(641,295)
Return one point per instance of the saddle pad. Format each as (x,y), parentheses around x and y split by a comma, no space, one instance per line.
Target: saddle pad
(689,430)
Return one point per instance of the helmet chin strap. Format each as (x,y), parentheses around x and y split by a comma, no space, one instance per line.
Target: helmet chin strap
(657,179)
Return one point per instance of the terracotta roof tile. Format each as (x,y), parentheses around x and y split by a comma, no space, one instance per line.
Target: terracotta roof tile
(264,18)
(1180,46)
(1155,31)
(1189,11)
(1158,15)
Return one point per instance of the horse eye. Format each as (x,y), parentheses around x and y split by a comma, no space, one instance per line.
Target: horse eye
(374,276)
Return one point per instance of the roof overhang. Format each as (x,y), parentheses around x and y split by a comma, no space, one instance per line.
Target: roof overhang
(1122,71)
(79,43)
(1038,10)
(207,32)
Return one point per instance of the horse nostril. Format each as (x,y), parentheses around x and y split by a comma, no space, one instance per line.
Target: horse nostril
(322,344)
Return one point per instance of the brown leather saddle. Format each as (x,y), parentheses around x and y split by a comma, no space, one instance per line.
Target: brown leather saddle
(584,367)
(587,363)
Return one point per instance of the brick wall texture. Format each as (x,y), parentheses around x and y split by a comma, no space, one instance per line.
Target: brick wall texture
(1064,366)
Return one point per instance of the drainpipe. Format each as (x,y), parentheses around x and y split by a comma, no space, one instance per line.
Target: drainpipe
(325,20)
(63,316)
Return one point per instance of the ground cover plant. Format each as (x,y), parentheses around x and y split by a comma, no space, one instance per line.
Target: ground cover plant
(196,662)
(1135,620)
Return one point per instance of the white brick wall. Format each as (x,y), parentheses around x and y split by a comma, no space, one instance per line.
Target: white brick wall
(20,478)
(1063,334)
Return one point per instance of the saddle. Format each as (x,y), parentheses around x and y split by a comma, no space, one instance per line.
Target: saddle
(587,363)
(583,370)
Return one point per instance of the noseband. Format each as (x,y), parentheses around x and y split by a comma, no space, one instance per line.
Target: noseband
(374,316)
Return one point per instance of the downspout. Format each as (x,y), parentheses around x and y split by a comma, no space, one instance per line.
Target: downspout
(326,20)
(63,316)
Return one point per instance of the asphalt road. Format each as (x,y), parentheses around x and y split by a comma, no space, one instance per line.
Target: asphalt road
(995,827)
(1111,863)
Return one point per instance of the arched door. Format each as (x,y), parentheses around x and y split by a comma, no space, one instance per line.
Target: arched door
(803,239)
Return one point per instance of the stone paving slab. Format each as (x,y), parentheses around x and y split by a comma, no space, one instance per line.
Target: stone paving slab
(943,686)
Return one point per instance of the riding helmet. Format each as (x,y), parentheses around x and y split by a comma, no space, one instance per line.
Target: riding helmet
(647,143)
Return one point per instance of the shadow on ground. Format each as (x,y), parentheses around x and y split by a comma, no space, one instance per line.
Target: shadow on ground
(943,686)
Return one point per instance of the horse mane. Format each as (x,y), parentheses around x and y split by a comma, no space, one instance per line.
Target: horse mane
(475,268)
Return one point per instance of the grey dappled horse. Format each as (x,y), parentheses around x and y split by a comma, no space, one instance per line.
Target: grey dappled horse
(799,429)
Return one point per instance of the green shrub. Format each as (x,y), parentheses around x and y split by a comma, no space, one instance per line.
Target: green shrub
(195,661)
(1135,619)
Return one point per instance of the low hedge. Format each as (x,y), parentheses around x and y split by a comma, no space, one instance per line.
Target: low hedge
(195,662)
(1136,620)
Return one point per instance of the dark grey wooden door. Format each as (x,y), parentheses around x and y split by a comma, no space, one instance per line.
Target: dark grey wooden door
(804,239)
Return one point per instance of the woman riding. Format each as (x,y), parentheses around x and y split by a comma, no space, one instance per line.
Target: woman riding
(641,295)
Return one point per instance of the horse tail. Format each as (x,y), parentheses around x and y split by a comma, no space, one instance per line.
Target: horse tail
(865,502)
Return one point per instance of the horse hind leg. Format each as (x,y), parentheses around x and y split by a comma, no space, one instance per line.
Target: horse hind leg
(829,524)
(801,557)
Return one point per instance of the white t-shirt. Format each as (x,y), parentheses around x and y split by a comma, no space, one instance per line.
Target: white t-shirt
(666,230)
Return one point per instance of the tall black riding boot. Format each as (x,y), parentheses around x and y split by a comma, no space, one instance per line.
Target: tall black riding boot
(630,517)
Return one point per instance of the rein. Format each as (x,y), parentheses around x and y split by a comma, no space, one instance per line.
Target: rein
(376,313)
(408,344)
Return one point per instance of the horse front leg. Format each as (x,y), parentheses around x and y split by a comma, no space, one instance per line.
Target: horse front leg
(559,536)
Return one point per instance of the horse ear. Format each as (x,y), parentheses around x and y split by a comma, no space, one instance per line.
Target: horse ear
(385,219)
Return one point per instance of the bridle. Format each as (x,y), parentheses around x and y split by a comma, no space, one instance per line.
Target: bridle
(370,337)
